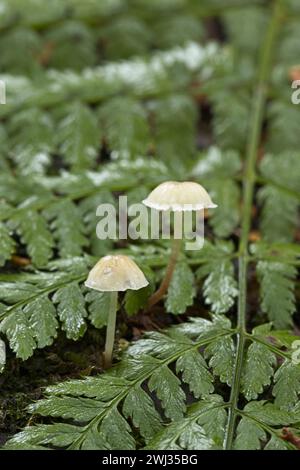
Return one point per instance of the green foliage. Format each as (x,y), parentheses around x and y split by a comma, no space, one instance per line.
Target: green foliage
(96,408)
(125,125)
(277,291)
(6,243)
(219,287)
(30,317)
(279,217)
(32,228)
(78,136)
(259,366)
(71,310)
(67,228)
(59,43)
(219,170)
(181,291)
(114,97)
(26,44)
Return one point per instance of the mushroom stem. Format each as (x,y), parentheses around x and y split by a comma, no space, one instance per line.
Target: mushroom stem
(110,330)
(176,246)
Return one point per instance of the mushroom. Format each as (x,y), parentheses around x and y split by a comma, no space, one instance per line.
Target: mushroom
(176,196)
(113,274)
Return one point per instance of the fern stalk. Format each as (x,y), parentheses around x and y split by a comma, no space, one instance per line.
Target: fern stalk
(110,331)
(260,95)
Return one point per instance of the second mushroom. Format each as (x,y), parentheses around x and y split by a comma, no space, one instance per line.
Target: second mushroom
(176,197)
(114,274)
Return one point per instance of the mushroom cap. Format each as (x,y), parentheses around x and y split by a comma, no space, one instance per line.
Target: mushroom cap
(179,196)
(116,273)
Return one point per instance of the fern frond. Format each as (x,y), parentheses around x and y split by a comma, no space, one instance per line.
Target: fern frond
(25,44)
(141,77)
(100,404)
(128,35)
(259,366)
(32,227)
(60,40)
(125,125)
(7,245)
(219,287)
(29,317)
(71,310)
(95,407)
(79,136)
(277,291)
(67,228)
(175,138)
(246,36)
(279,217)
(283,132)
(181,291)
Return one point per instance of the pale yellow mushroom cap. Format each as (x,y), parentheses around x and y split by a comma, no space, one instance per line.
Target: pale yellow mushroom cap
(116,273)
(177,196)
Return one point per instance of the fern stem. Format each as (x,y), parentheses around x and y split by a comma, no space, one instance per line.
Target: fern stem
(158,295)
(110,330)
(260,94)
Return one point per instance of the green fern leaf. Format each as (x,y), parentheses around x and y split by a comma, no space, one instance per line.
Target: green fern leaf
(78,409)
(117,431)
(67,227)
(215,163)
(21,338)
(283,131)
(41,315)
(98,307)
(7,244)
(137,300)
(57,435)
(259,366)
(249,435)
(126,127)
(167,388)
(26,44)
(181,291)
(222,353)
(279,215)
(87,208)
(62,38)
(226,194)
(35,235)
(138,407)
(220,287)
(175,138)
(202,429)
(71,310)
(277,291)
(33,326)
(287,385)
(195,374)
(257,418)
(79,137)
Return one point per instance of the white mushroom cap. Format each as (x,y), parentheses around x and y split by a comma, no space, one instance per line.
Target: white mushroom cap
(116,273)
(177,196)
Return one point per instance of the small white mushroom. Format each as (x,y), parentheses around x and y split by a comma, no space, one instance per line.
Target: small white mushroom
(116,273)
(113,274)
(178,197)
